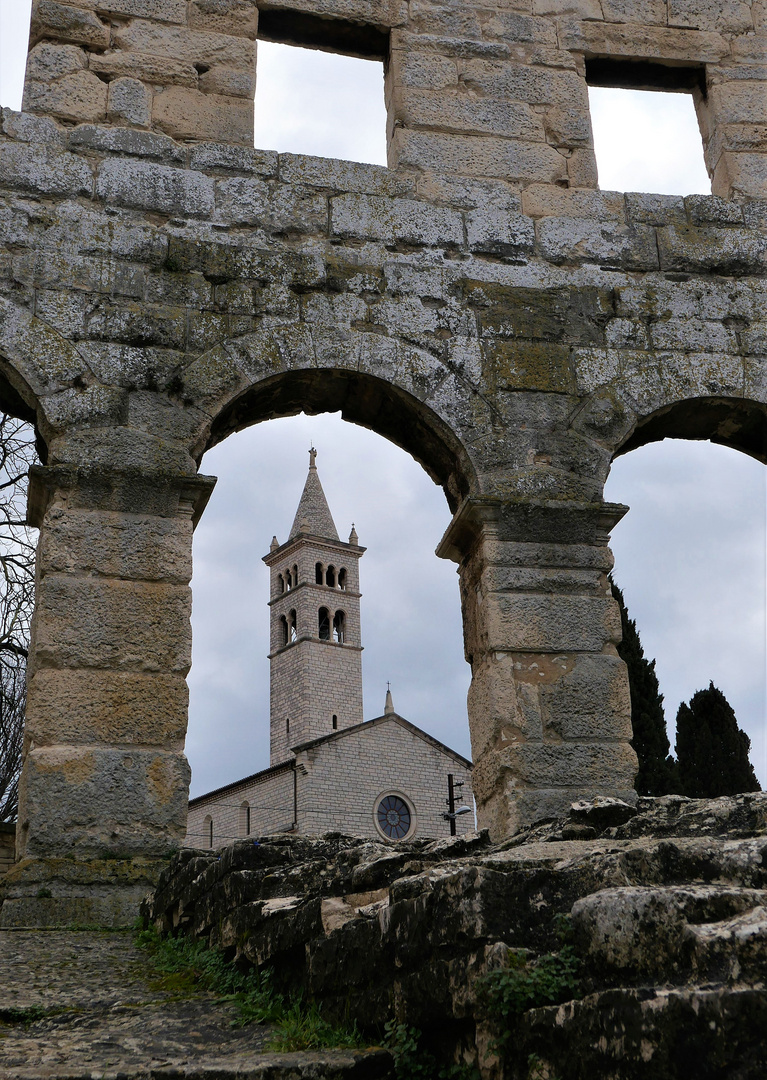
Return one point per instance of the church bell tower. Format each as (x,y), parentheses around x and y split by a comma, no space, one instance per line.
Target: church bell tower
(316,648)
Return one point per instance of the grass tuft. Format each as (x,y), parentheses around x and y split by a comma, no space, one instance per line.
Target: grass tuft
(186,966)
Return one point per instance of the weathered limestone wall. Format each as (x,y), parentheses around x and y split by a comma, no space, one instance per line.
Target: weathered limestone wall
(7,846)
(480,303)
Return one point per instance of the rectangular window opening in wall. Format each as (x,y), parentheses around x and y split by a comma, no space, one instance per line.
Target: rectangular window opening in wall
(317,102)
(646,131)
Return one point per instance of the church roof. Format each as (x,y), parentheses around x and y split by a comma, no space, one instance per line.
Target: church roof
(313,514)
(391,717)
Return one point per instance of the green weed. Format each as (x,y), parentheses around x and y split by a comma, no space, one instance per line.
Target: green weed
(186,966)
(412,1062)
(527,983)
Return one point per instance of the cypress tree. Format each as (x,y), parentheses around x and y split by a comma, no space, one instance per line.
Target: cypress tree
(656,774)
(711,750)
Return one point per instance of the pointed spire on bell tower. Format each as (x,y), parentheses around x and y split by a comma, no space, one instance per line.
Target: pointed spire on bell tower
(313,514)
(389,706)
(315,640)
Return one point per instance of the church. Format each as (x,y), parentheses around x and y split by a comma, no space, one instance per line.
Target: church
(330,770)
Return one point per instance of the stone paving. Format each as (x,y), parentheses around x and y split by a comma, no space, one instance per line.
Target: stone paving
(81,1004)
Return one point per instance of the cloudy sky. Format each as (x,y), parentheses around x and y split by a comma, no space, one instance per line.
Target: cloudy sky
(690,555)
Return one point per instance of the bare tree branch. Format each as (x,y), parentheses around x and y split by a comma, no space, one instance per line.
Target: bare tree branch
(17,595)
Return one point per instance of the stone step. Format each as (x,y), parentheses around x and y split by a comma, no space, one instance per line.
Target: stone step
(668,933)
(717,1033)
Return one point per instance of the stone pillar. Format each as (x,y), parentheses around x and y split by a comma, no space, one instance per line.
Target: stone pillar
(549,706)
(465,96)
(733,118)
(104,785)
(187,69)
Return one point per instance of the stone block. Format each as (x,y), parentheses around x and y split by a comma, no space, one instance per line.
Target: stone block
(395,220)
(90,801)
(741,175)
(460,113)
(728,16)
(548,200)
(190,114)
(419,70)
(26,127)
(140,185)
(534,84)
(48,61)
(235,17)
(646,209)
(158,70)
(507,159)
(120,140)
(633,40)
(587,9)
(227,158)
(66,22)
(229,81)
(343,176)
(44,170)
(79,97)
(92,405)
(739,101)
(129,101)
(551,623)
(582,169)
(244,201)
(170,11)
(106,708)
(574,240)
(106,543)
(43,357)
(507,235)
(729,251)
(604,766)
(127,626)
(589,703)
(652,12)
(191,46)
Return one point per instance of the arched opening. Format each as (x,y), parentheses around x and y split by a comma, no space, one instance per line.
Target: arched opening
(330,577)
(339,627)
(362,399)
(244,822)
(281,583)
(400,516)
(285,633)
(207,831)
(324,624)
(292,625)
(690,554)
(334,722)
(318,574)
(342,579)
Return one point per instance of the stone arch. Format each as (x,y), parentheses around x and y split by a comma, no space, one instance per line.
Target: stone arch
(39,369)
(614,419)
(403,393)
(738,423)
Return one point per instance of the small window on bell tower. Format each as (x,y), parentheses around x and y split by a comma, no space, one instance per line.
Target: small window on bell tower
(335,722)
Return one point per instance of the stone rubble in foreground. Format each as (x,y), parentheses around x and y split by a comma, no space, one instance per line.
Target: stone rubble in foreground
(668,903)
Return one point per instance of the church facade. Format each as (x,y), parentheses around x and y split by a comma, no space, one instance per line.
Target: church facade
(329,769)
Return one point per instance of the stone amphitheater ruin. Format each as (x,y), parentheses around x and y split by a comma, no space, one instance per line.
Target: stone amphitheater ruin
(480,302)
